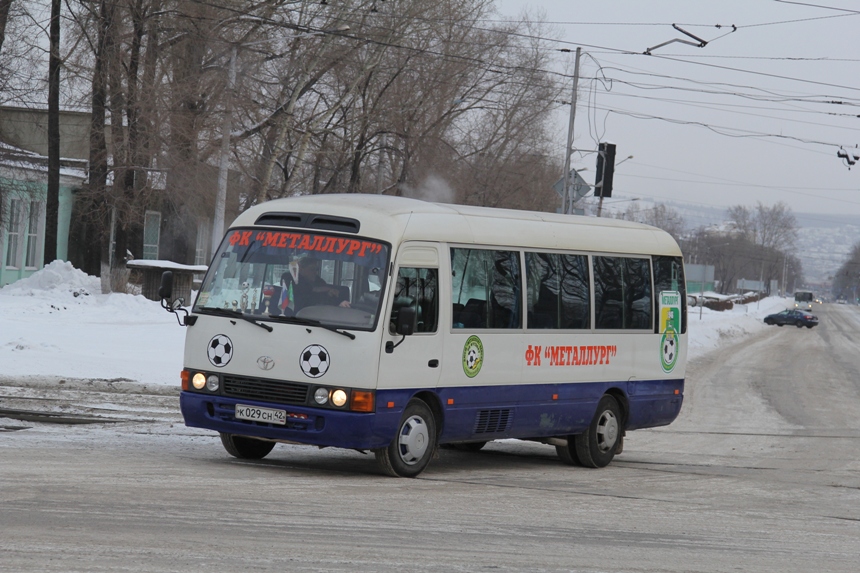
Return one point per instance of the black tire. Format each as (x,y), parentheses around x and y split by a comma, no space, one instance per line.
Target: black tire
(469,446)
(568,453)
(809,325)
(596,446)
(246,448)
(780,324)
(414,445)
(799,324)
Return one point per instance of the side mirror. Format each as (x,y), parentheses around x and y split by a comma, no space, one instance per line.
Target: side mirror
(407,320)
(165,291)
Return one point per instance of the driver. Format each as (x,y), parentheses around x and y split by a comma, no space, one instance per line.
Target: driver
(311,289)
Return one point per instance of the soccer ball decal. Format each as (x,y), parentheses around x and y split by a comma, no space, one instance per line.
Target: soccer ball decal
(669,350)
(314,361)
(220,350)
(471,358)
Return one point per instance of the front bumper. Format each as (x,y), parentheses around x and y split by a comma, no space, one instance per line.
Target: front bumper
(320,427)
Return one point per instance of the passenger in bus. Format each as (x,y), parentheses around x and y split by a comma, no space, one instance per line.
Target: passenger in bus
(312,290)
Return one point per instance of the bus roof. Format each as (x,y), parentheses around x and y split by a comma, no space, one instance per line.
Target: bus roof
(399,219)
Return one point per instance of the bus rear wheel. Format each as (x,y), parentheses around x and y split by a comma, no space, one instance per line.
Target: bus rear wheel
(596,446)
(415,443)
(246,448)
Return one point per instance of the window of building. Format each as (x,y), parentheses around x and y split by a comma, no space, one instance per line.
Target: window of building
(622,293)
(557,291)
(204,237)
(33,225)
(486,288)
(13,235)
(151,234)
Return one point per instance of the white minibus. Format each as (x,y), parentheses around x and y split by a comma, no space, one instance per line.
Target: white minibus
(395,326)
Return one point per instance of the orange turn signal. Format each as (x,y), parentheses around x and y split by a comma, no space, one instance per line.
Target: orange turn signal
(555,396)
(185,376)
(362,401)
(677,391)
(450,401)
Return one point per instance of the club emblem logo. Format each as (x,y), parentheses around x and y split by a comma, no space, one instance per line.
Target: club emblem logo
(473,356)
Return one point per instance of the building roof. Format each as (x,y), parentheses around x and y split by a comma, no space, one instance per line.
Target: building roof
(15,158)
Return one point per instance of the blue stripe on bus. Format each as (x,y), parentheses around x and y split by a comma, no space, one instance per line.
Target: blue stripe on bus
(468,413)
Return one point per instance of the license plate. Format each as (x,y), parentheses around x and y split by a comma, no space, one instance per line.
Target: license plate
(257,414)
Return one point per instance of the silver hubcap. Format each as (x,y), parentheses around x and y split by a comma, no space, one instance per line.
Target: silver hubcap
(413,440)
(607,431)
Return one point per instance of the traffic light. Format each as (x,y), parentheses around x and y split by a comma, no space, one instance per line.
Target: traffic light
(605,170)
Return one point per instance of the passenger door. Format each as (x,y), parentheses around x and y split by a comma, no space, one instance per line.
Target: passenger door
(413,362)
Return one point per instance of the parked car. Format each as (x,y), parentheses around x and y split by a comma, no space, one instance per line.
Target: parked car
(799,318)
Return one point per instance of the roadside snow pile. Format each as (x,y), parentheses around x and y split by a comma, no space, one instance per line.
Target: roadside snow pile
(57,323)
(709,329)
(57,276)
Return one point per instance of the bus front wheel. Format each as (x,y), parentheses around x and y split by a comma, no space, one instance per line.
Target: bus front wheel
(411,449)
(596,446)
(246,448)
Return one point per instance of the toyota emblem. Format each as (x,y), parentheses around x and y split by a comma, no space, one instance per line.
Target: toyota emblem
(265,363)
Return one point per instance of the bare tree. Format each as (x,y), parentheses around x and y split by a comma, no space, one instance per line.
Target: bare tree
(5,7)
(847,278)
(660,216)
(771,227)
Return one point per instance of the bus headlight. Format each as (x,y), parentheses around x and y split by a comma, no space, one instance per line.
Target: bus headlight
(198,380)
(321,396)
(338,398)
(212,383)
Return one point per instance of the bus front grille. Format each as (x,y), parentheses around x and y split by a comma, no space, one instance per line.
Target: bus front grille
(265,390)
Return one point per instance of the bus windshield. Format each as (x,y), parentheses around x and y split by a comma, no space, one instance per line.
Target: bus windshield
(296,276)
(803,296)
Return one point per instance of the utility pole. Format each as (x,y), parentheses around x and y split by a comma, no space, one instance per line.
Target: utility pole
(567,198)
(226,128)
(784,257)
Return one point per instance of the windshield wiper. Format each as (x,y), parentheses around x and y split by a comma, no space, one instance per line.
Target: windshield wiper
(215,311)
(311,322)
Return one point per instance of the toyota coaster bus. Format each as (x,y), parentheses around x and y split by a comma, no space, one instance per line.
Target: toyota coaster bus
(394,326)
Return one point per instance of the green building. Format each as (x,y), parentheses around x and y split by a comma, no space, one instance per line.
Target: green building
(23,197)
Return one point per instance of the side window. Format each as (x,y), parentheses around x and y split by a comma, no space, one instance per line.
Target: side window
(622,293)
(669,275)
(486,288)
(417,288)
(558,291)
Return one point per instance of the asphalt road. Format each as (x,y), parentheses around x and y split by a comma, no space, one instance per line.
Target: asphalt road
(761,472)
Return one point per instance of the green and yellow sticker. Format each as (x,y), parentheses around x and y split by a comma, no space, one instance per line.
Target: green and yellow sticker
(473,356)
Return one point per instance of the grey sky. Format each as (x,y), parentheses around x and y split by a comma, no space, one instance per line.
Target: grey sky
(743,119)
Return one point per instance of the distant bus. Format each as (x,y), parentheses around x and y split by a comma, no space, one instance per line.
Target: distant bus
(803,299)
(434,324)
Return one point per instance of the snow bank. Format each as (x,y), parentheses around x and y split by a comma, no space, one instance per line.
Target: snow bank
(56,277)
(708,329)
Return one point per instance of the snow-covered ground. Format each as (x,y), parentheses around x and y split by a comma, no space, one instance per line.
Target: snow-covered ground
(57,323)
